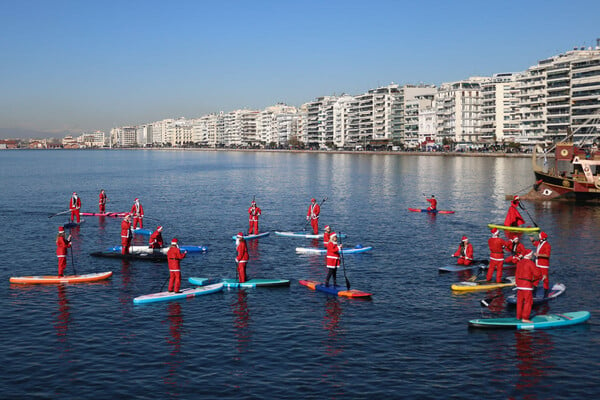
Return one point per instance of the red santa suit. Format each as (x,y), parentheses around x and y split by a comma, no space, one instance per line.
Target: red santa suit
(332,259)
(527,277)
(517,250)
(513,217)
(75,207)
(156,240)
(253,214)
(327,236)
(464,252)
(242,257)
(313,215)
(138,213)
(62,244)
(542,253)
(125,235)
(496,246)
(102,202)
(174,257)
(432,204)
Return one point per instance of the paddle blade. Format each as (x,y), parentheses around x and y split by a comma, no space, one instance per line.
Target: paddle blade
(485,302)
(347,284)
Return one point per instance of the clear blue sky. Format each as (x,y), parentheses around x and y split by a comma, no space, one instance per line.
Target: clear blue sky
(73,66)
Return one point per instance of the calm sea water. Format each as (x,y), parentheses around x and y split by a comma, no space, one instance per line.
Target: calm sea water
(410,341)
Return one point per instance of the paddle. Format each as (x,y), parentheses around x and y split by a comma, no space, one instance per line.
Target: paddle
(488,300)
(309,218)
(523,208)
(344,264)
(60,213)
(473,278)
(73,262)
(165,282)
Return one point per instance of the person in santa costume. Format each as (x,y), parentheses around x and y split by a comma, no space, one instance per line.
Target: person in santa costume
(62,244)
(138,213)
(75,207)
(496,246)
(253,214)
(126,235)
(174,257)
(527,277)
(432,203)
(242,257)
(542,258)
(156,239)
(516,248)
(327,235)
(464,252)
(513,217)
(313,215)
(332,259)
(102,201)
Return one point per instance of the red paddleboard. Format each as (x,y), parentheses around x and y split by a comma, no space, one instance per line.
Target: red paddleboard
(61,279)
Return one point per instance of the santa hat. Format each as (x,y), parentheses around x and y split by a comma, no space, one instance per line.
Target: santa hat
(333,235)
(159,228)
(515,198)
(312,200)
(174,241)
(543,236)
(74,193)
(253,202)
(327,227)
(515,239)
(240,235)
(464,239)
(61,228)
(136,199)
(495,232)
(528,254)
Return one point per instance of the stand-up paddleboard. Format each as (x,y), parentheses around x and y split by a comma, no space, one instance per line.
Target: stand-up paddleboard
(73,224)
(547,321)
(158,256)
(250,283)
(481,264)
(106,214)
(353,250)
(482,285)
(557,290)
(250,237)
(187,293)
(526,229)
(336,290)
(305,235)
(164,250)
(140,231)
(98,276)
(431,211)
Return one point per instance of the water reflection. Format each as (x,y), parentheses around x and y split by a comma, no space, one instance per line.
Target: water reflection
(174,360)
(241,321)
(63,316)
(334,345)
(533,353)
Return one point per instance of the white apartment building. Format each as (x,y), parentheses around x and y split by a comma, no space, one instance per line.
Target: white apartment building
(144,135)
(427,117)
(406,112)
(346,122)
(179,133)
(124,136)
(94,139)
(413,135)
(459,111)
(379,115)
(319,122)
(239,128)
(205,130)
(499,103)
(159,132)
(276,124)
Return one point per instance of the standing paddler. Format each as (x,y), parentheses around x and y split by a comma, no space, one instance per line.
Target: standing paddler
(514,217)
(102,201)
(62,244)
(174,257)
(75,207)
(542,260)
(333,259)
(527,277)
(126,234)
(242,257)
(313,215)
(253,214)
(138,213)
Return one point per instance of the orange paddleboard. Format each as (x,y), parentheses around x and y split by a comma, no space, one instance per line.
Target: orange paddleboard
(61,279)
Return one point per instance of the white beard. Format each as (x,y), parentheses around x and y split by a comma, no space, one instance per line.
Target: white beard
(237,242)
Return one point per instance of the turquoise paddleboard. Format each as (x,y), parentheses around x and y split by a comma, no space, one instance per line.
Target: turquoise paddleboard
(547,321)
